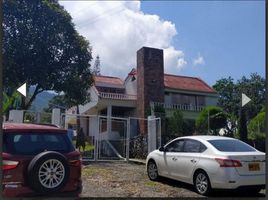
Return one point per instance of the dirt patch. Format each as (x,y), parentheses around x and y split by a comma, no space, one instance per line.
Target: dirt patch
(121,179)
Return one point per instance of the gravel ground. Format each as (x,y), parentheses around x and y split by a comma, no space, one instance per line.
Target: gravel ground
(121,179)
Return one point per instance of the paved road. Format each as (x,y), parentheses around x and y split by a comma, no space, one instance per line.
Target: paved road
(121,179)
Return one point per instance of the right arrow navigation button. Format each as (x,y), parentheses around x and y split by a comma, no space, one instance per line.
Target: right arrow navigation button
(245,99)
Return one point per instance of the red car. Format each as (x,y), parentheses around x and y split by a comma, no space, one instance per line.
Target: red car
(39,160)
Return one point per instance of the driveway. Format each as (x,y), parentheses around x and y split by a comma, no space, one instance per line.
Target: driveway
(121,179)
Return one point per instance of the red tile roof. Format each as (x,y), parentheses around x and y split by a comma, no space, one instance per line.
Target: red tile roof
(108,81)
(170,81)
(186,83)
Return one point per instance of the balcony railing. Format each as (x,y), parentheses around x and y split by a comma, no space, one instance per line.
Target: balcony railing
(117,96)
(183,107)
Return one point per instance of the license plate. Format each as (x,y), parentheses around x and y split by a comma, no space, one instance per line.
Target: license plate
(254,167)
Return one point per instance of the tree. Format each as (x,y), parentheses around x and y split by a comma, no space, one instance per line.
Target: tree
(256,127)
(211,118)
(175,123)
(42,47)
(230,98)
(231,126)
(11,101)
(254,87)
(96,68)
(58,101)
(188,127)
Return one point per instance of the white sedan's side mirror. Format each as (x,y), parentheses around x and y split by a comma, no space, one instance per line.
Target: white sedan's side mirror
(162,149)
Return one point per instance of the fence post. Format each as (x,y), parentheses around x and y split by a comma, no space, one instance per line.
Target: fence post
(128,139)
(16,116)
(63,121)
(38,117)
(96,139)
(56,116)
(151,134)
(159,133)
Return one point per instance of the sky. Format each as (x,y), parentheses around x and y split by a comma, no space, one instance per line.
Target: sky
(206,39)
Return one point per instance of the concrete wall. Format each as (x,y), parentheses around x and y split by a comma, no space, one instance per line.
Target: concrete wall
(93,126)
(131,86)
(94,98)
(16,116)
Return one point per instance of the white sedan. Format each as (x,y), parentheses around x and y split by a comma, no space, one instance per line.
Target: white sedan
(209,162)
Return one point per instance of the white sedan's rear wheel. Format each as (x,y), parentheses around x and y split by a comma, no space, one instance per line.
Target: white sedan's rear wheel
(152,171)
(202,183)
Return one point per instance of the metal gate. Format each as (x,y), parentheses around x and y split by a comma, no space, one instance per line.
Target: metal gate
(113,138)
(36,117)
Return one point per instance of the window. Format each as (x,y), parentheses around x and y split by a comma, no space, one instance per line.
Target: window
(183,99)
(231,145)
(202,148)
(200,100)
(34,143)
(192,146)
(176,146)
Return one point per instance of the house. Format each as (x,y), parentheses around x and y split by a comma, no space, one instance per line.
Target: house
(145,87)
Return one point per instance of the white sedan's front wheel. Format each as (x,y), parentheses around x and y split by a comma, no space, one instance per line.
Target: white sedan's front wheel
(152,171)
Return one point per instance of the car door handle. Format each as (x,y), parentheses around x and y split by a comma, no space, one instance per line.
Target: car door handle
(174,158)
(193,161)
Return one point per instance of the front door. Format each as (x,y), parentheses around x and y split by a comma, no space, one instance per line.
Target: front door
(172,158)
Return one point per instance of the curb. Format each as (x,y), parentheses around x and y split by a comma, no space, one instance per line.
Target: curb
(137,161)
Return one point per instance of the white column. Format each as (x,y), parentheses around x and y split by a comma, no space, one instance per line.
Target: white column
(128,139)
(109,122)
(56,116)
(16,116)
(151,133)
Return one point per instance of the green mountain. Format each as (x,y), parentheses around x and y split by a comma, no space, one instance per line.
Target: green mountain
(41,100)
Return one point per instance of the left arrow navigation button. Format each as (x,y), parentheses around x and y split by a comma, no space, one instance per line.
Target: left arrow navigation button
(22,89)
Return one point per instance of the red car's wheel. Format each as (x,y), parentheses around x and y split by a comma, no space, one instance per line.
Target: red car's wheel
(48,172)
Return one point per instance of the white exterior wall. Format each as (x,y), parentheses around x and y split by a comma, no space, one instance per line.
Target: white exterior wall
(131,86)
(93,100)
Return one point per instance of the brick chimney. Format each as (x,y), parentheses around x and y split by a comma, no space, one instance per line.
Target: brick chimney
(150,80)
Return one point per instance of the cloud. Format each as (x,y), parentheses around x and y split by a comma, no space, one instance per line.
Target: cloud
(174,60)
(117,29)
(199,60)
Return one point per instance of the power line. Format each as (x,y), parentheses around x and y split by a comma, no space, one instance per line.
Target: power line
(97,18)
(75,13)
